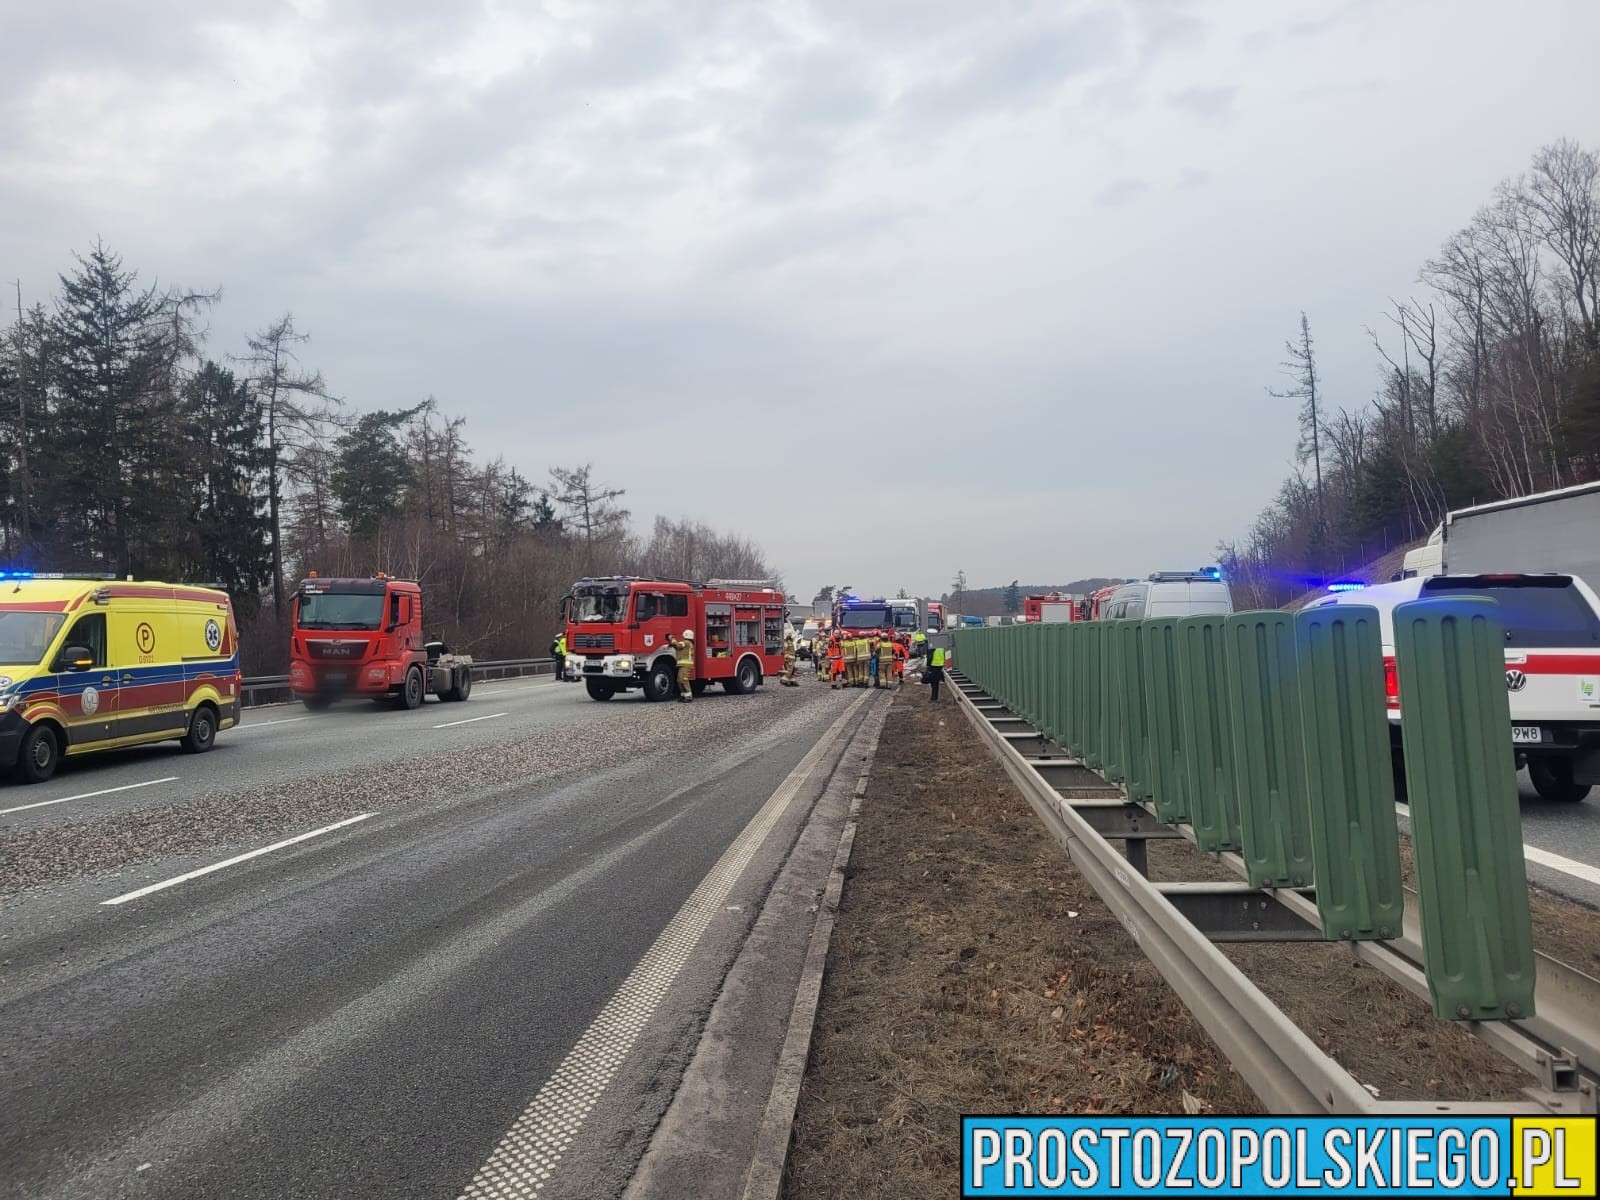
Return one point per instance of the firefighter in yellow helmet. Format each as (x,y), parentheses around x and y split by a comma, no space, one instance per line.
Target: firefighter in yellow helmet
(789,661)
(683,651)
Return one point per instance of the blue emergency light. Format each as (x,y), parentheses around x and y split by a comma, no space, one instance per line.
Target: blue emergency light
(1346,585)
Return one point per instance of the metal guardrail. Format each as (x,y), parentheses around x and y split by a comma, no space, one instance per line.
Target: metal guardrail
(1179,925)
(272,689)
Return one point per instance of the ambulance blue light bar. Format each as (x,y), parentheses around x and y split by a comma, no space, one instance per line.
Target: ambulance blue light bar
(1346,585)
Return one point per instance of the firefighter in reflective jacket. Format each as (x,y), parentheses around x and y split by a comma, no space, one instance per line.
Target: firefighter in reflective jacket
(788,661)
(836,663)
(683,651)
(821,656)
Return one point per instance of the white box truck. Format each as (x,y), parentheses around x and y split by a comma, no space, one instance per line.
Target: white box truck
(1550,531)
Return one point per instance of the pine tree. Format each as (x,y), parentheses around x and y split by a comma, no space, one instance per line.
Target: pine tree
(229,532)
(372,473)
(110,432)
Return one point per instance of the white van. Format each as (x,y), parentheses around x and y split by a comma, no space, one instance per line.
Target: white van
(1552,626)
(1171,594)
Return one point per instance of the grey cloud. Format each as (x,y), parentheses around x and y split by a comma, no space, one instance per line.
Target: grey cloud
(1205,101)
(1121,192)
(1017,69)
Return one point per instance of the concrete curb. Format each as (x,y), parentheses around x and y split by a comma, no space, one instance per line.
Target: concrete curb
(765,1178)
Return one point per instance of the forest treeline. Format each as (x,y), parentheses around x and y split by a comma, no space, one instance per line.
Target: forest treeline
(1487,387)
(127,446)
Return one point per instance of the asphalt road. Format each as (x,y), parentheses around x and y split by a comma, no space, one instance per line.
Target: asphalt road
(370,1011)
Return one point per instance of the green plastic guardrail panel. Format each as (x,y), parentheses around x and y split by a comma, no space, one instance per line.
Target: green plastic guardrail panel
(1033,668)
(1135,719)
(1355,842)
(1091,701)
(1051,655)
(1208,733)
(1268,749)
(1112,750)
(1466,824)
(1168,754)
(1066,666)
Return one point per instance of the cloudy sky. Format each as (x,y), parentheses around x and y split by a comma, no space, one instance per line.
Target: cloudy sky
(896,286)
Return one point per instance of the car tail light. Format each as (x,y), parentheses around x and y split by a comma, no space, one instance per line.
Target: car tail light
(1391,681)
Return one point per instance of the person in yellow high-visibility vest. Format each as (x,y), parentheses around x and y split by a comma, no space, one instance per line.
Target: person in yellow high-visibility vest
(933,673)
(683,651)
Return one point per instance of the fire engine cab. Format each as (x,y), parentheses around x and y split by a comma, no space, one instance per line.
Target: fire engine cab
(618,630)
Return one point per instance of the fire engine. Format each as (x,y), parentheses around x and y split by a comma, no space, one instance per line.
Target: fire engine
(618,629)
(1098,600)
(363,637)
(1053,607)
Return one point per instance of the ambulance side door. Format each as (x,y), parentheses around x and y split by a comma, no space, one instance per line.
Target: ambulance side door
(88,696)
(147,658)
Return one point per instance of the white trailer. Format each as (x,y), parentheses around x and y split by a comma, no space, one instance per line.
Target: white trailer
(1549,531)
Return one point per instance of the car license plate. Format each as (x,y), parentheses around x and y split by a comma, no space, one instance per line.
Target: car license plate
(1526,733)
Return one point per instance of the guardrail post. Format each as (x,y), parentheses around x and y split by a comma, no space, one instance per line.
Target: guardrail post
(1169,783)
(1268,749)
(1355,842)
(1208,733)
(1466,826)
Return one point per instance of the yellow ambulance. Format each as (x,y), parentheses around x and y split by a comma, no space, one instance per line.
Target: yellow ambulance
(93,663)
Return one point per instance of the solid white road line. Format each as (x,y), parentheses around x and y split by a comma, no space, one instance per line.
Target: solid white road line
(469,721)
(234,861)
(1544,858)
(529,1152)
(1556,863)
(264,724)
(127,787)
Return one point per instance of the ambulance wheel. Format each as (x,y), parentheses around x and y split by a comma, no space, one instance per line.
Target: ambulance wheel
(599,689)
(1552,779)
(661,682)
(39,755)
(202,733)
(411,690)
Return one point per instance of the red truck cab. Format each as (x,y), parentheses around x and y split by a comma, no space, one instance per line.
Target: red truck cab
(363,637)
(618,631)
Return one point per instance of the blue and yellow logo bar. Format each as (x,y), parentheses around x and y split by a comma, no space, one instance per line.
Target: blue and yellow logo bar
(1289,1156)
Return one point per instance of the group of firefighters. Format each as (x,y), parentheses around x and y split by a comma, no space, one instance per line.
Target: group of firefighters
(866,660)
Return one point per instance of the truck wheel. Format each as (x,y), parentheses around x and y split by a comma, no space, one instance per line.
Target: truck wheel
(464,687)
(202,733)
(411,690)
(659,684)
(745,679)
(39,755)
(599,689)
(1552,779)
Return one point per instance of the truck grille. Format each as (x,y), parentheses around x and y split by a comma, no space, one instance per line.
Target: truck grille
(594,641)
(343,650)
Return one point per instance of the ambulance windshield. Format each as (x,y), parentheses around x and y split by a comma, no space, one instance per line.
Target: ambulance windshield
(25,637)
(334,610)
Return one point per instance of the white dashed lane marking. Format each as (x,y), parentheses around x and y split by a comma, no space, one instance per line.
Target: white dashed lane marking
(469,721)
(234,861)
(127,787)
(525,1158)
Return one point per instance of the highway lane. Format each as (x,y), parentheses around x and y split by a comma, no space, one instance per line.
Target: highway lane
(281,744)
(368,1012)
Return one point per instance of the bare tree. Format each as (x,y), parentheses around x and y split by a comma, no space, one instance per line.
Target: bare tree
(298,408)
(1301,368)
(591,507)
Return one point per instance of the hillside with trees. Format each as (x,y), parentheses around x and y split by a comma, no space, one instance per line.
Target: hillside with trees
(1488,386)
(127,446)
